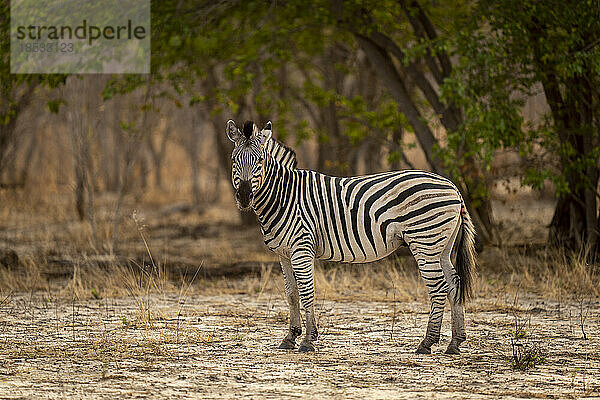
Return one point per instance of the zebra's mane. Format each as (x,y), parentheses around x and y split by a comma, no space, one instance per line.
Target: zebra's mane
(283,154)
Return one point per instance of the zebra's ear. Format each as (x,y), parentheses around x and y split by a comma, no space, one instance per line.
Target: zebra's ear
(233,133)
(266,133)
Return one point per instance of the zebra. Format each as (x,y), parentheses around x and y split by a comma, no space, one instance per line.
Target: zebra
(305,215)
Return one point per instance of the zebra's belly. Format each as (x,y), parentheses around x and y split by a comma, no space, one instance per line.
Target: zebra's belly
(360,253)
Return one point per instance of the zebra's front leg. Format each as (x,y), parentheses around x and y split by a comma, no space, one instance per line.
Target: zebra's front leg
(303,265)
(291,291)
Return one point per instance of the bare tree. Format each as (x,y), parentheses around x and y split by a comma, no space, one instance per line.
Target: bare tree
(12,103)
(158,149)
(83,120)
(134,131)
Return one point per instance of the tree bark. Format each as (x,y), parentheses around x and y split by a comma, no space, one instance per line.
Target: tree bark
(192,151)
(158,155)
(575,222)
(333,151)
(29,153)
(131,156)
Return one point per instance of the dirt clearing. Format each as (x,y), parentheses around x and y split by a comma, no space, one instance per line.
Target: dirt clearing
(224,346)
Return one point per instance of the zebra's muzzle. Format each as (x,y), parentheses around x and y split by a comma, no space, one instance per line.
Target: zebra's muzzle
(244,195)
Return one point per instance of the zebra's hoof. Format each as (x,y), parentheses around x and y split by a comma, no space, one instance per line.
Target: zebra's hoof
(452,349)
(423,350)
(287,344)
(306,348)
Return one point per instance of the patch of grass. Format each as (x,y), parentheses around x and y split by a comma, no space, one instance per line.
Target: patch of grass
(525,354)
(527,357)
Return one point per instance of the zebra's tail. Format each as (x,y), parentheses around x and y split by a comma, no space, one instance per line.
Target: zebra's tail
(465,256)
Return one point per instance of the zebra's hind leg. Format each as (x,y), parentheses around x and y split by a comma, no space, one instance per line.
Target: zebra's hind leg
(457,308)
(291,291)
(311,331)
(458,324)
(303,265)
(432,336)
(428,260)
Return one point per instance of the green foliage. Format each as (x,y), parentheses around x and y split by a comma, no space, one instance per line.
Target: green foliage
(511,50)
(250,44)
(95,294)
(10,83)
(54,105)
(234,57)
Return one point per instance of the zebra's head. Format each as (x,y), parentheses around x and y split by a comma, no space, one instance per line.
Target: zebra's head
(248,160)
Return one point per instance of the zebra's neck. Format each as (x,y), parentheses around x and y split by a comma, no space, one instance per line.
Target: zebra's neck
(282,154)
(279,168)
(269,196)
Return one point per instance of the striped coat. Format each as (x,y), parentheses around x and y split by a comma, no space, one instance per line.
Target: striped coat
(305,215)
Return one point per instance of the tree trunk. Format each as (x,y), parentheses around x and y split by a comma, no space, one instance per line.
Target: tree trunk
(158,153)
(192,151)
(334,148)
(79,194)
(567,224)
(381,61)
(396,149)
(575,222)
(78,166)
(7,131)
(27,160)
(118,146)
(144,171)
(88,178)
(224,146)
(574,225)
(132,153)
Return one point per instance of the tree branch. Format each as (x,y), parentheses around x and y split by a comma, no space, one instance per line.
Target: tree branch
(381,61)
(447,116)
(424,29)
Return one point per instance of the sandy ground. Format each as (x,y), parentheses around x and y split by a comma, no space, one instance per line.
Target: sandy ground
(224,346)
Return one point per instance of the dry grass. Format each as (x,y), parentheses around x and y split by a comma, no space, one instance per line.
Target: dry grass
(152,239)
(44,232)
(550,275)
(547,272)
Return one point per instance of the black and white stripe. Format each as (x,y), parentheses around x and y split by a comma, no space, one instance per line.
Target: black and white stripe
(306,215)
